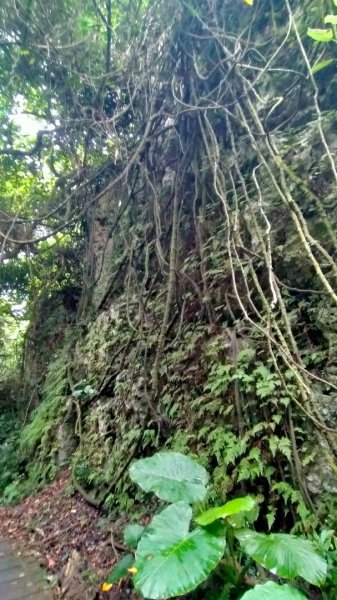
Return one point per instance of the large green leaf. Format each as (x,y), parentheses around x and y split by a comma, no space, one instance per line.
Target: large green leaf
(171,476)
(272,591)
(132,534)
(233,507)
(320,35)
(170,559)
(285,555)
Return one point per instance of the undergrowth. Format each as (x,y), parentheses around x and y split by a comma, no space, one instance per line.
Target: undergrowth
(38,434)
(232,411)
(9,455)
(230,407)
(38,439)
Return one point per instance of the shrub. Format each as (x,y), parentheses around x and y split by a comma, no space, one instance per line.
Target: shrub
(171,558)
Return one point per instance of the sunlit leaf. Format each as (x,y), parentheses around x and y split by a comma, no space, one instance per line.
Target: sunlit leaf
(272,591)
(171,560)
(322,64)
(233,507)
(320,35)
(249,2)
(330,19)
(285,555)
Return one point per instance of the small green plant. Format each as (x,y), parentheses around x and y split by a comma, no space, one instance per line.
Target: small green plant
(171,558)
(13,492)
(324,36)
(326,543)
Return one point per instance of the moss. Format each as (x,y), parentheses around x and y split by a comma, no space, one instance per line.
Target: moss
(38,439)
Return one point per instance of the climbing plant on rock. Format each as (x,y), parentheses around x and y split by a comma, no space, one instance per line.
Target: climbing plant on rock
(186,153)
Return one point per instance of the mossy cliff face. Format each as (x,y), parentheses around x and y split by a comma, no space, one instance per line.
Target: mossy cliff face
(208,317)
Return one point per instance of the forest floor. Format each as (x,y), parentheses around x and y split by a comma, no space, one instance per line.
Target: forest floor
(73,541)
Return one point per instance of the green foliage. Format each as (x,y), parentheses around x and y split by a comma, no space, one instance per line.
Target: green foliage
(171,476)
(14,278)
(321,35)
(14,483)
(233,507)
(238,371)
(330,19)
(12,329)
(208,411)
(326,543)
(324,36)
(132,534)
(320,65)
(9,455)
(284,555)
(15,491)
(37,434)
(121,569)
(38,440)
(272,591)
(183,558)
(171,559)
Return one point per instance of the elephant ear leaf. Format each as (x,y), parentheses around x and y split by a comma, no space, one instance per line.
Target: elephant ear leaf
(285,555)
(171,560)
(272,591)
(233,507)
(172,476)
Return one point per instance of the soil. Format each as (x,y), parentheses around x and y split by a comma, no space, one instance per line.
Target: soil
(76,543)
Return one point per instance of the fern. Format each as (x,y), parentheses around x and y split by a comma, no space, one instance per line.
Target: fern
(40,430)
(282,445)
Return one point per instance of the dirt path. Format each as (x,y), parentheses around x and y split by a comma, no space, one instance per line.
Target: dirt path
(74,542)
(53,523)
(20,579)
